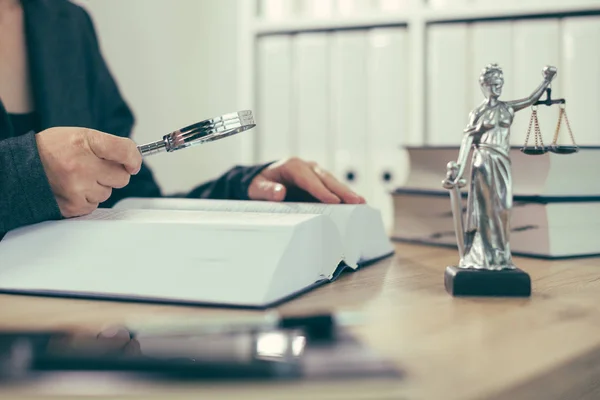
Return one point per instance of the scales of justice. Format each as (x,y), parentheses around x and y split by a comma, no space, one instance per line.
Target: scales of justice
(483,235)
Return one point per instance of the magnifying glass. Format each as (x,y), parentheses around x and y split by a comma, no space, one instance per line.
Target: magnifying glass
(202,132)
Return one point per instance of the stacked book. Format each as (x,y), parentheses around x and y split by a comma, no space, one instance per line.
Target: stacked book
(556,207)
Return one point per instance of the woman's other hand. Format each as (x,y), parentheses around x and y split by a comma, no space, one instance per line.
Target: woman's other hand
(298,180)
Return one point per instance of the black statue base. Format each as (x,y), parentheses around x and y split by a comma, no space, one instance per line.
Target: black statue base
(475,282)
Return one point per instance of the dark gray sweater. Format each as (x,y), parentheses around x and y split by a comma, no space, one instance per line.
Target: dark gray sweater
(72,86)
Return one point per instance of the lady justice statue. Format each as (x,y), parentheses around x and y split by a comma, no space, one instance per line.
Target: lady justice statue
(486,266)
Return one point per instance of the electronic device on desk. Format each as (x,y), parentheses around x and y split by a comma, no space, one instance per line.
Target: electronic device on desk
(297,347)
(235,355)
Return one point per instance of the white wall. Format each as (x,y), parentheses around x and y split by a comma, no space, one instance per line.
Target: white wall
(176,64)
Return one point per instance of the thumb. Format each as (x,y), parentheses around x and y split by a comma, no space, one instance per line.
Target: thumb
(263,189)
(114,148)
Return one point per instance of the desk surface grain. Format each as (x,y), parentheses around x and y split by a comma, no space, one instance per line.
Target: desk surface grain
(546,346)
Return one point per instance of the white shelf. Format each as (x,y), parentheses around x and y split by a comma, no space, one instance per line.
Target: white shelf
(426,15)
(262,27)
(510,10)
(577,35)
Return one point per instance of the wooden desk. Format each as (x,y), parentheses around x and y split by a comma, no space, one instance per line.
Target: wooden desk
(545,347)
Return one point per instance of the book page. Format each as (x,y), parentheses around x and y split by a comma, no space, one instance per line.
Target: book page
(224,205)
(190,216)
(360,226)
(339,213)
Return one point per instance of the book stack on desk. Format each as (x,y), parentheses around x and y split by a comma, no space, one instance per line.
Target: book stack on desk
(556,202)
(213,252)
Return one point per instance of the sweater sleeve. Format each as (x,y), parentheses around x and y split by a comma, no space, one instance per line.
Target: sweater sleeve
(231,185)
(25,194)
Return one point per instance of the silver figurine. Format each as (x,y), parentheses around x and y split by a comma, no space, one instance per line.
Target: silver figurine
(483,239)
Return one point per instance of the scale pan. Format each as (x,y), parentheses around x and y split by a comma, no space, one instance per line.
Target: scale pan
(534,151)
(563,149)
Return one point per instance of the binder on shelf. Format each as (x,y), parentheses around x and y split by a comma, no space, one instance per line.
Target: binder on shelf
(349,109)
(491,42)
(353,8)
(312,98)
(274,98)
(276,10)
(448,77)
(388,74)
(316,8)
(581,63)
(535,43)
(395,5)
(448,3)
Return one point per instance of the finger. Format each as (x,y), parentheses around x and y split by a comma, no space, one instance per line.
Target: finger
(98,194)
(112,174)
(114,148)
(263,189)
(306,179)
(115,337)
(114,331)
(338,188)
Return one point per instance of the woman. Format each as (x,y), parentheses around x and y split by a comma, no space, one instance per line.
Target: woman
(487,229)
(64,128)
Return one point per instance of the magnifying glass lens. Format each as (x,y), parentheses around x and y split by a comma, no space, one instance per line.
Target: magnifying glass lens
(202,132)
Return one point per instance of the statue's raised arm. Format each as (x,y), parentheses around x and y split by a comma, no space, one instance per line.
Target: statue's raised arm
(548,73)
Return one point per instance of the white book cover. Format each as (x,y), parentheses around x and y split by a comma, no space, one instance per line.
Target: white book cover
(547,175)
(549,230)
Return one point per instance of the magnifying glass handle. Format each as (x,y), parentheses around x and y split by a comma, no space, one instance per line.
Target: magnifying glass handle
(149,149)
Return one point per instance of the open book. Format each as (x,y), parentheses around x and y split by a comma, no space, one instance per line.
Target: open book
(219,252)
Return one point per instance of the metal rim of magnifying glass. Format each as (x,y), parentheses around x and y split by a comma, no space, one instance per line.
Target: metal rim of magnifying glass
(205,131)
